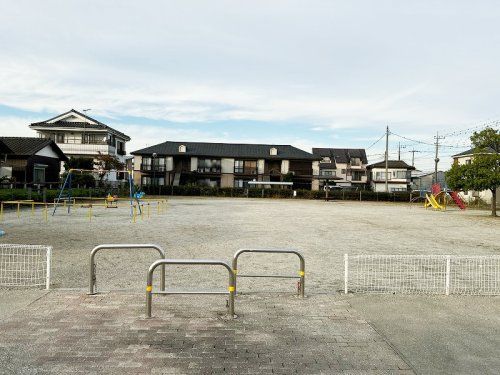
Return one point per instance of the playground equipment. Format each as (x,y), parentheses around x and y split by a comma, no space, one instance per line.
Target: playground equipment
(149,287)
(302,270)
(67,186)
(93,266)
(437,199)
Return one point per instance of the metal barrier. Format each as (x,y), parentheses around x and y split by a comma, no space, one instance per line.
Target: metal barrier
(163,262)
(122,246)
(302,270)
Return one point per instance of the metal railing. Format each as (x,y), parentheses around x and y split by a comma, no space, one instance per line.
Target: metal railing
(92,285)
(163,262)
(302,271)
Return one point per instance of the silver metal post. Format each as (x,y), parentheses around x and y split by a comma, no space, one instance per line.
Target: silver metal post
(346,272)
(163,262)
(49,265)
(302,271)
(92,274)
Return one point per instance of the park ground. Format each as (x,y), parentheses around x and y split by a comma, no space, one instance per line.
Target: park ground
(328,332)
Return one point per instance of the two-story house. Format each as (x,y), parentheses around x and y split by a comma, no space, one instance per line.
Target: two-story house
(224,164)
(30,161)
(347,166)
(81,136)
(466,158)
(398,176)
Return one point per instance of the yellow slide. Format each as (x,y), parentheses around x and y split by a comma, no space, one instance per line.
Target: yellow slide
(431,201)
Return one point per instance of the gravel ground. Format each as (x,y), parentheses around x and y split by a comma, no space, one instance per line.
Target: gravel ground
(216,228)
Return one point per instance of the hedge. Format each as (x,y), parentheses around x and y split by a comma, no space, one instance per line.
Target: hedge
(207,191)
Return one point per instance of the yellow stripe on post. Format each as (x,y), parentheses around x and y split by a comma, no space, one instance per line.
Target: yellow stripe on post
(302,273)
(231,288)
(149,288)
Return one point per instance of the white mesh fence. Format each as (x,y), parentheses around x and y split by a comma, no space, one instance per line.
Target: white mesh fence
(422,274)
(25,265)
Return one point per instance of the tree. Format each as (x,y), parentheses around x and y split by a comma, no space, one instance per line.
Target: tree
(105,163)
(483,173)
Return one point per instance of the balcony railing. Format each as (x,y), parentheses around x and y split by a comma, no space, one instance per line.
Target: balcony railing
(153,168)
(86,149)
(302,172)
(208,170)
(245,171)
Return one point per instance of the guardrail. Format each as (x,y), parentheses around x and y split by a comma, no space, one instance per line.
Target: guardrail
(163,262)
(92,285)
(302,271)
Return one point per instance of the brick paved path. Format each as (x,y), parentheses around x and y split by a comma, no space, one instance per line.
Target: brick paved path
(70,332)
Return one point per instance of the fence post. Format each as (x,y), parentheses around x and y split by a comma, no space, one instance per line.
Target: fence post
(49,260)
(346,272)
(448,266)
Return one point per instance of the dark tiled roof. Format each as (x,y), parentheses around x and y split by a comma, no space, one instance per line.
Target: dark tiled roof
(471,151)
(27,146)
(396,164)
(71,125)
(342,155)
(229,150)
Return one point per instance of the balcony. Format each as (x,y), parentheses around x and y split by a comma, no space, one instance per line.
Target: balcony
(153,168)
(249,171)
(86,149)
(302,172)
(208,170)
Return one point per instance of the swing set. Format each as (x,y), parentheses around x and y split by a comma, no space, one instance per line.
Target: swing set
(66,198)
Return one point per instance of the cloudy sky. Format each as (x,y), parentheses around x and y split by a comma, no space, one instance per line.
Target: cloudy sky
(307,73)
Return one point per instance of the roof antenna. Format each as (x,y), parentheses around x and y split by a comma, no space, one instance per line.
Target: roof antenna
(86,110)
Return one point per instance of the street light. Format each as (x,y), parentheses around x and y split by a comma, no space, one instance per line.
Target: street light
(154,168)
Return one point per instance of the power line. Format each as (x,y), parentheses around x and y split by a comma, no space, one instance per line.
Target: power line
(377,141)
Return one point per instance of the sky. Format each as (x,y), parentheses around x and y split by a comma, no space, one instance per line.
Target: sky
(307,73)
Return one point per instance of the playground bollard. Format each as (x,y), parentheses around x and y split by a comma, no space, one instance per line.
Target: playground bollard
(148,210)
(33,209)
(90,212)
(18,210)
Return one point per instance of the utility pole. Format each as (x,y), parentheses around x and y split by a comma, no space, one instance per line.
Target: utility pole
(386,159)
(413,157)
(436,159)
(399,150)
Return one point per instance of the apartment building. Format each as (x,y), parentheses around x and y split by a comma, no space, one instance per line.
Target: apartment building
(345,166)
(398,176)
(81,136)
(224,164)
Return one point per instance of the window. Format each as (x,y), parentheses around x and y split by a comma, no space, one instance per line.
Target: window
(182,148)
(356,161)
(342,171)
(159,164)
(94,139)
(60,138)
(209,165)
(327,173)
(273,151)
(381,176)
(245,166)
(39,174)
(238,166)
(146,180)
(146,164)
(357,175)
(392,189)
(399,174)
(468,161)
(240,183)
